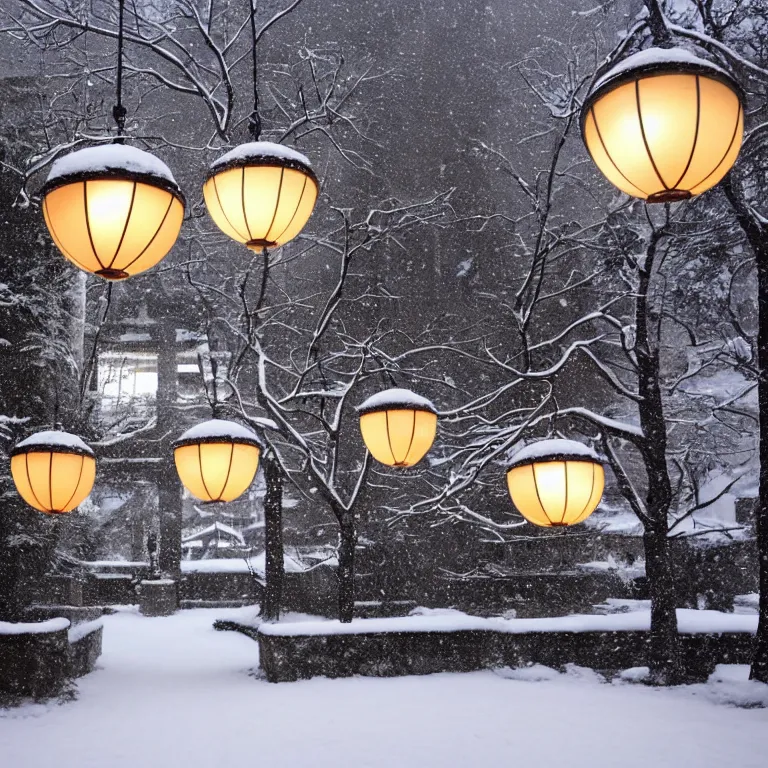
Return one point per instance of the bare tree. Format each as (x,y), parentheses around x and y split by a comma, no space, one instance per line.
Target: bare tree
(625,323)
(301,361)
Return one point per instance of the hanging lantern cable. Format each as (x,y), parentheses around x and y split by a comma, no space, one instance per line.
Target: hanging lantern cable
(254,122)
(214,399)
(118,111)
(57,426)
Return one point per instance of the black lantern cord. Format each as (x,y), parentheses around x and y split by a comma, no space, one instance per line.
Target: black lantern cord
(56,407)
(211,395)
(118,111)
(215,388)
(254,123)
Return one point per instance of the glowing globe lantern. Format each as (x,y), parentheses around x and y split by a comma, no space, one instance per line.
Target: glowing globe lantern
(112,210)
(556,482)
(664,125)
(261,194)
(217,460)
(398,427)
(53,471)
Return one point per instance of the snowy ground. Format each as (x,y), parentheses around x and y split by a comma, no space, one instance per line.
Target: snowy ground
(172,692)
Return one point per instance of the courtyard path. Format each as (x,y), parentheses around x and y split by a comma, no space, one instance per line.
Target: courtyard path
(172,692)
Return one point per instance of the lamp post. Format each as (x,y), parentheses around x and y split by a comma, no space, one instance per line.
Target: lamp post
(663,125)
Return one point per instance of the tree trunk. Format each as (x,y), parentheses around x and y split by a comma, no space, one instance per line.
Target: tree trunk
(759,669)
(757,234)
(664,658)
(168,491)
(273,538)
(346,569)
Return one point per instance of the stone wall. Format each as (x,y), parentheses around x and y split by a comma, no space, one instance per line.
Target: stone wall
(220,587)
(42,664)
(287,658)
(530,594)
(314,591)
(34,664)
(85,649)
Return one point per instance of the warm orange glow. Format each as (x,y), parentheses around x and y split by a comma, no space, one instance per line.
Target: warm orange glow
(665,135)
(261,194)
(52,478)
(556,493)
(217,460)
(113,222)
(398,437)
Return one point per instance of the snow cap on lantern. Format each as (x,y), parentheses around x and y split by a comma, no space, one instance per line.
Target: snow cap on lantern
(53,471)
(398,426)
(217,460)
(664,124)
(261,194)
(556,482)
(112,210)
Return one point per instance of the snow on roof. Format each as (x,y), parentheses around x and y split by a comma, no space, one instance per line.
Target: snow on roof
(53,437)
(227,430)
(256,149)
(37,627)
(543,449)
(110,157)
(396,397)
(658,58)
(240,565)
(211,530)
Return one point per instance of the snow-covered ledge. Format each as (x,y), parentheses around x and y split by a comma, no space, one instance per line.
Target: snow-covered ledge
(455,642)
(689,622)
(33,627)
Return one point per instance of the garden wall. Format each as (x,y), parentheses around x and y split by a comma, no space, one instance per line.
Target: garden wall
(287,654)
(34,659)
(38,659)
